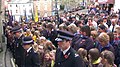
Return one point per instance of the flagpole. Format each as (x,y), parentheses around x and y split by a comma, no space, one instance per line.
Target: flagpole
(56,13)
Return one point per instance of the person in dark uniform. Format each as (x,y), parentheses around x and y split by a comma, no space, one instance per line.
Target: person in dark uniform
(31,57)
(18,49)
(65,54)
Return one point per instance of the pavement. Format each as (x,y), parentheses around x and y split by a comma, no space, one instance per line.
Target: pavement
(84,11)
(5,56)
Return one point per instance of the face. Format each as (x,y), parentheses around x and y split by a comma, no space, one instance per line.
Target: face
(47,56)
(113,21)
(52,55)
(26,46)
(17,34)
(40,49)
(102,43)
(115,33)
(100,30)
(104,20)
(63,44)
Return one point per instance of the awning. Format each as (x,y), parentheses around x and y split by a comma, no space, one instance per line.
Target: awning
(106,1)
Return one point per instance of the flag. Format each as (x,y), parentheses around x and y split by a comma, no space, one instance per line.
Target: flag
(10,18)
(36,14)
(20,19)
(25,16)
(32,17)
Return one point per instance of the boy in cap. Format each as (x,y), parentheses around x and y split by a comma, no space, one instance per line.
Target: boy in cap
(65,54)
(31,57)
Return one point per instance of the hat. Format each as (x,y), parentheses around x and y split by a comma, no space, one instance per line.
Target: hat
(64,35)
(16,29)
(28,40)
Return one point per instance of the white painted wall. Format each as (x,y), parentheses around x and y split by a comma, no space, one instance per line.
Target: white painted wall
(117,5)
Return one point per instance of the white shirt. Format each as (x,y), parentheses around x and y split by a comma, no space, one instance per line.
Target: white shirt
(111,27)
(66,50)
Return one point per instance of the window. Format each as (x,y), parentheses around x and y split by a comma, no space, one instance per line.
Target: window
(16,5)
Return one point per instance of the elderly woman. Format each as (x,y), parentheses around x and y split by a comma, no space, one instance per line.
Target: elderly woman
(104,44)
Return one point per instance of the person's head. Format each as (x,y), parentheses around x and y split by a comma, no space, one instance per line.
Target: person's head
(90,19)
(27,42)
(111,36)
(47,56)
(103,39)
(64,39)
(49,45)
(41,40)
(52,54)
(94,34)
(72,28)
(107,57)
(114,19)
(63,26)
(82,52)
(85,30)
(40,48)
(104,19)
(79,23)
(117,32)
(94,54)
(102,28)
(28,31)
(49,26)
(17,31)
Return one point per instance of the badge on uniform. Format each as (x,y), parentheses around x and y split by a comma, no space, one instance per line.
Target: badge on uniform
(76,55)
(66,56)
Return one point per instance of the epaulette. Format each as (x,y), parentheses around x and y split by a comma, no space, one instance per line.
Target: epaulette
(76,55)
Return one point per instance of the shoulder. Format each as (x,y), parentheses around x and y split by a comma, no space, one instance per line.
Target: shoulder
(73,53)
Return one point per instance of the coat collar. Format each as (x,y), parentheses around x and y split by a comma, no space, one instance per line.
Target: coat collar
(65,51)
(28,50)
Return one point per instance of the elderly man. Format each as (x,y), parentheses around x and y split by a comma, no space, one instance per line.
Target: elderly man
(65,55)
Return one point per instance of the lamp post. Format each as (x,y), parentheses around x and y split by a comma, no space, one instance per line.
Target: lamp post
(56,12)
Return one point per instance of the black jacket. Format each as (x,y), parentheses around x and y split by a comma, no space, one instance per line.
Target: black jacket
(70,59)
(19,51)
(32,59)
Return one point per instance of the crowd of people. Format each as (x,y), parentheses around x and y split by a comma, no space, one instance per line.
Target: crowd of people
(75,40)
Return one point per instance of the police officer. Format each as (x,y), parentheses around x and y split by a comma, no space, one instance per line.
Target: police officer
(31,57)
(65,54)
(18,49)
